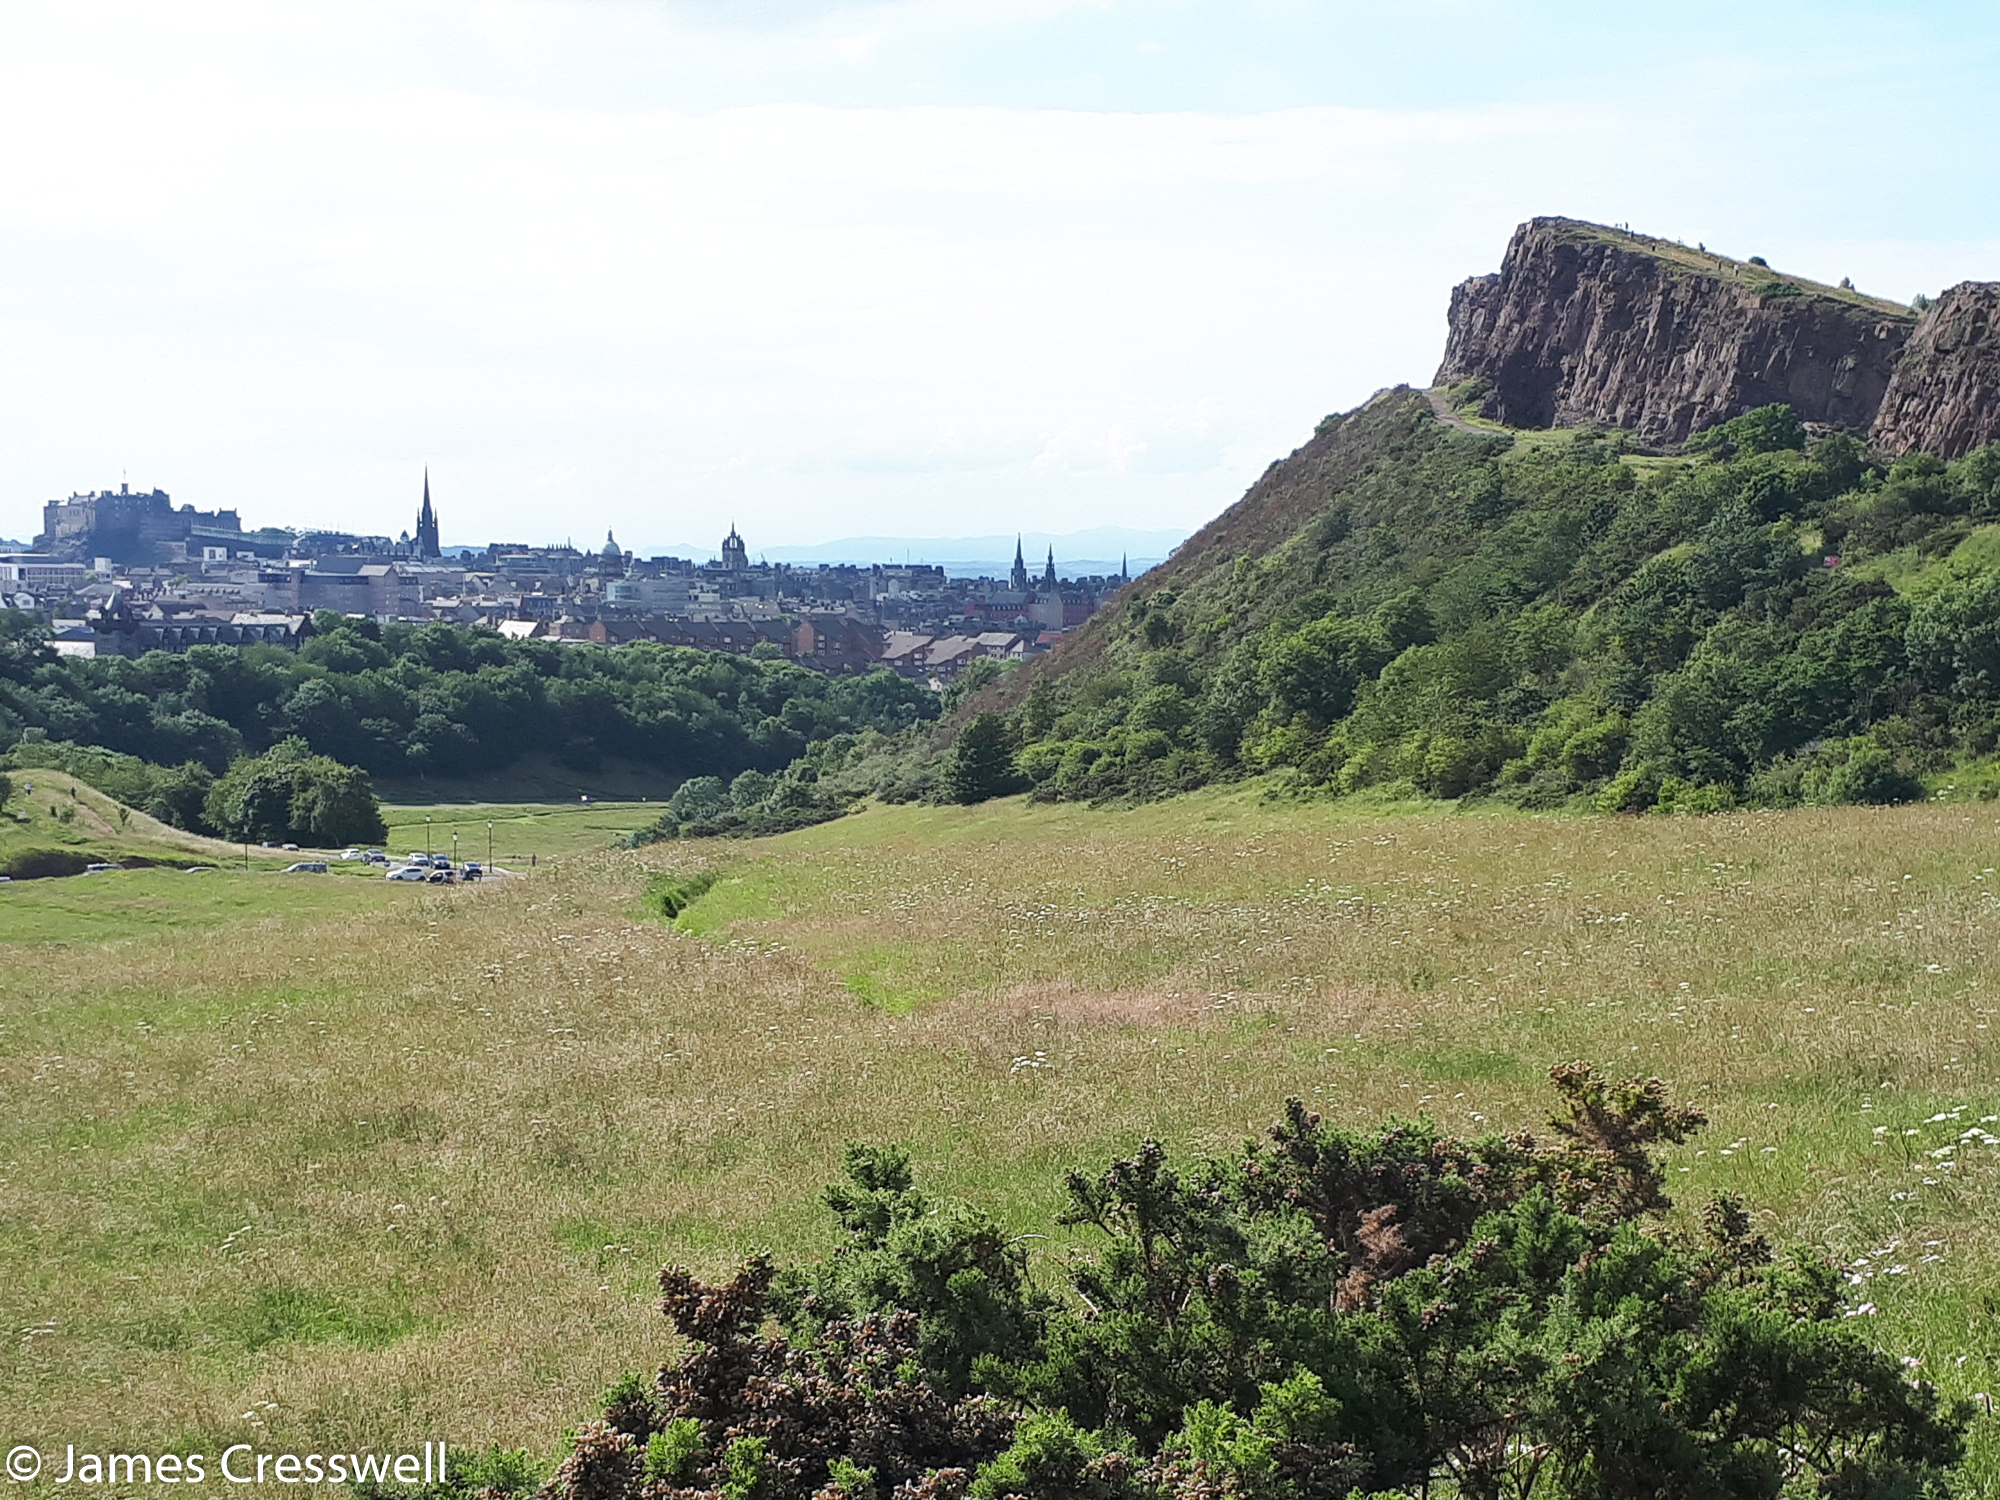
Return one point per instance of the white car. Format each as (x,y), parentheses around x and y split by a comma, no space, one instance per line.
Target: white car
(408,872)
(353,854)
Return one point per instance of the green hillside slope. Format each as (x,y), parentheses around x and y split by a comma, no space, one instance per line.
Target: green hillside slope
(53,823)
(1548,617)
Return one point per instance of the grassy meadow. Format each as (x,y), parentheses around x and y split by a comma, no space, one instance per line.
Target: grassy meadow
(520,829)
(401,1162)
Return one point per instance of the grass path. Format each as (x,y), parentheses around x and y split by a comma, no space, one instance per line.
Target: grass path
(405,1167)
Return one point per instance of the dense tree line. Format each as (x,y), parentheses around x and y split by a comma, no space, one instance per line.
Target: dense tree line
(434,700)
(1765,619)
(1328,1313)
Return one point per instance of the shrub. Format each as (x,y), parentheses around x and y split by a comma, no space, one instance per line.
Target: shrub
(1390,1311)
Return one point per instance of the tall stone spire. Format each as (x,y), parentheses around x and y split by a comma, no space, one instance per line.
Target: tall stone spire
(1018,579)
(427,525)
(1049,579)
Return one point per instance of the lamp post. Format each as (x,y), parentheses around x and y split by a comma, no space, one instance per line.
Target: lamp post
(427,835)
(454,848)
(489,843)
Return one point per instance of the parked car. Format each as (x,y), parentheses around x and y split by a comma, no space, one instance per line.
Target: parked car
(421,861)
(349,854)
(96,868)
(199,870)
(376,857)
(307,867)
(442,872)
(407,872)
(289,848)
(473,871)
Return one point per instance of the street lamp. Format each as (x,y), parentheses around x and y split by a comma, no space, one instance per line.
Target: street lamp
(454,848)
(489,843)
(427,835)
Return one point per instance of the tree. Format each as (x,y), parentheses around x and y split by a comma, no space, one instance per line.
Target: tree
(292,795)
(1954,637)
(1316,669)
(981,763)
(179,794)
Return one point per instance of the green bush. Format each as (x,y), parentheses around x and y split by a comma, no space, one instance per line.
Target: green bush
(1388,1311)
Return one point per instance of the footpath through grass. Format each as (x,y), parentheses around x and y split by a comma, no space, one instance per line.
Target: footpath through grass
(405,1167)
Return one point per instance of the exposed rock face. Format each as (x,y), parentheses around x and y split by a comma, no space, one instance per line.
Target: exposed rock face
(1586,325)
(1945,397)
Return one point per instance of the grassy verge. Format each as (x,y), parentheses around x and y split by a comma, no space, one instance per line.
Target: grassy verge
(405,1167)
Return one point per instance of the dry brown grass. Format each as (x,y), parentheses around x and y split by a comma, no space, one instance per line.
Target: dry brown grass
(408,1172)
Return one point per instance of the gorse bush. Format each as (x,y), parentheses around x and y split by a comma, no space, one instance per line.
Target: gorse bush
(1550,620)
(1328,1312)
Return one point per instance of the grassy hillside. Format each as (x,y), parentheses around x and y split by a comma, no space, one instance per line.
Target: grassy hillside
(53,813)
(1550,619)
(344,1173)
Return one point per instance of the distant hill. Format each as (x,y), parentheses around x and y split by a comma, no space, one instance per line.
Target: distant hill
(1422,600)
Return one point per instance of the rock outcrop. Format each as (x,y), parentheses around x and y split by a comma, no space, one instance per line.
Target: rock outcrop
(1945,397)
(1586,325)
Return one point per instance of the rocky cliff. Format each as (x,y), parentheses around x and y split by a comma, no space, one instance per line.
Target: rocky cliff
(1587,325)
(1945,397)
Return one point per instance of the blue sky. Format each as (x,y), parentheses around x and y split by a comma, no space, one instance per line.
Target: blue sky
(925,268)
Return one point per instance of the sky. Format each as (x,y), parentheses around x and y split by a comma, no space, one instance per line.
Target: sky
(904,268)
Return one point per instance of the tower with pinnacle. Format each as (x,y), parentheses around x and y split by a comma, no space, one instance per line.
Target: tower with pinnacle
(1049,579)
(427,523)
(735,555)
(1018,579)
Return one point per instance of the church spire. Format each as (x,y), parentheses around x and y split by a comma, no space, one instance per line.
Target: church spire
(1049,579)
(427,526)
(1018,579)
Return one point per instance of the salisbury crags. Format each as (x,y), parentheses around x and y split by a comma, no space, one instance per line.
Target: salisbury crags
(1586,325)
